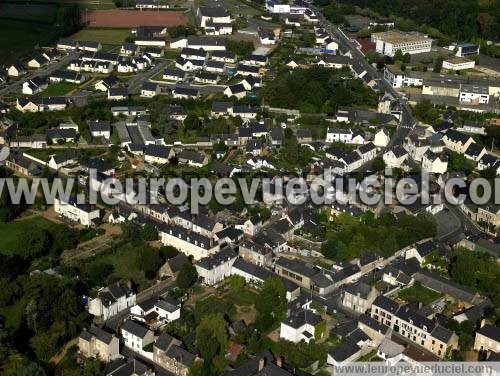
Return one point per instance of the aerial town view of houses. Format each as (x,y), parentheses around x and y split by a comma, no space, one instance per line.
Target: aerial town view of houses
(275,90)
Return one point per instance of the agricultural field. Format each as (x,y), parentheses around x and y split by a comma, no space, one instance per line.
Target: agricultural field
(106,36)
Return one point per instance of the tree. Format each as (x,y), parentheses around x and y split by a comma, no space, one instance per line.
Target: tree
(406,58)
(34,244)
(167,251)
(398,55)
(438,64)
(236,282)
(211,336)
(334,250)
(149,233)
(187,276)
(197,369)
(97,272)
(149,261)
(378,164)
(465,341)
(457,162)
(130,231)
(271,304)
(239,47)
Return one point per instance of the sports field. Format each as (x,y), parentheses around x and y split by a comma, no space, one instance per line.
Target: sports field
(133,18)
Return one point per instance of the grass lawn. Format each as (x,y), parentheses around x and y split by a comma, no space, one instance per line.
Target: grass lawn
(45,154)
(105,36)
(244,297)
(11,232)
(58,89)
(124,263)
(418,293)
(18,38)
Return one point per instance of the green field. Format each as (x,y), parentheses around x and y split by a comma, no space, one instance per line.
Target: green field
(58,89)
(125,265)
(418,293)
(103,35)
(17,38)
(12,232)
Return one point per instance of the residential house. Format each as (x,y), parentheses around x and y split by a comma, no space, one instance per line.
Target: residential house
(136,336)
(185,93)
(395,157)
(255,253)
(37,61)
(302,325)
(457,141)
(158,154)
(237,90)
(358,296)
(161,310)
(487,338)
(34,86)
(98,343)
(381,138)
(170,354)
(188,242)
(475,152)
(217,267)
(417,328)
(192,158)
(100,129)
(434,163)
(111,300)
(107,83)
(84,214)
(16,70)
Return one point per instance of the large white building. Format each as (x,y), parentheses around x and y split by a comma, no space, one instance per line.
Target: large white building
(388,42)
(458,63)
(85,214)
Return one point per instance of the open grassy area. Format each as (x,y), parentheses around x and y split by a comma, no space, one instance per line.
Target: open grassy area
(106,36)
(18,38)
(125,266)
(58,89)
(418,293)
(45,154)
(12,232)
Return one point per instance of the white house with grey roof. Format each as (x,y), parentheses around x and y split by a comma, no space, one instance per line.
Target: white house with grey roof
(136,336)
(111,300)
(154,309)
(302,325)
(159,154)
(188,241)
(217,267)
(417,328)
(358,296)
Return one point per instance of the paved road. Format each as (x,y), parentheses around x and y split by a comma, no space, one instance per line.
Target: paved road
(135,83)
(14,86)
(407,122)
